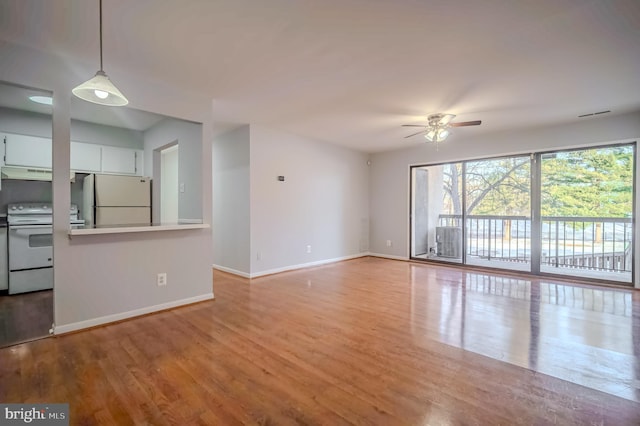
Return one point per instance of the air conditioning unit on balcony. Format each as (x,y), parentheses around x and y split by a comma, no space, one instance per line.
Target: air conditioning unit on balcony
(449,241)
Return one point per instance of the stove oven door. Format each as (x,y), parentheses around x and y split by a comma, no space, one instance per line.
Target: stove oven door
(30,247)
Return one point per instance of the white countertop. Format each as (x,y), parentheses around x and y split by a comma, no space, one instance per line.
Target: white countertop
(131,229)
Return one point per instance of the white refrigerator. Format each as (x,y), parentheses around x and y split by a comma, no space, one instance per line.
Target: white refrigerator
(113,200)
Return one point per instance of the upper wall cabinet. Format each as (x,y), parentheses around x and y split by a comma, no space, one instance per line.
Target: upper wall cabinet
(92,158)
(35,152)
(27,151)
(86,157)
(121,161)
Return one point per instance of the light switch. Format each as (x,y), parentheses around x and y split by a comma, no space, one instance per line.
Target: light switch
(182,187)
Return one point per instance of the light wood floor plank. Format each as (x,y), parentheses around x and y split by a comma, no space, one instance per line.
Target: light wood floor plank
(367,341)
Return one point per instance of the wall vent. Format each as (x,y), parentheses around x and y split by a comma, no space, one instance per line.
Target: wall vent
(594,113)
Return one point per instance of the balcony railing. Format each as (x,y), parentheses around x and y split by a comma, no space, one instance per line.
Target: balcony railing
(593,243)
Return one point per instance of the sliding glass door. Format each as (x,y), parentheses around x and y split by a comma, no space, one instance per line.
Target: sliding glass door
(436,212)
(587,213)
(498,219)
(480,212)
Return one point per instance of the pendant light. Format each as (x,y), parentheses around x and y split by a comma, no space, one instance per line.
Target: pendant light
(99,89)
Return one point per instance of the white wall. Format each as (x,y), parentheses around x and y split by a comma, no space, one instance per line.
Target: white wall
(81,131)
(323,202)
(231,204)
(390,170)
(25,123)
(35,124)
(189,138)
(103,278)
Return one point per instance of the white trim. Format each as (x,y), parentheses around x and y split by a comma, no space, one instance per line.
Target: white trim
(67,328)
(291,267)
(231,271)
(389,256)
(307,265)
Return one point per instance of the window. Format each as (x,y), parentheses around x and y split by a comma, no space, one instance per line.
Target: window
(479,212)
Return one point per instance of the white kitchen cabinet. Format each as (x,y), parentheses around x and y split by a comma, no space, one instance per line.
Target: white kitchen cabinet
(4,264)
(86,157)
(27,151)
(35,152)
(123,161)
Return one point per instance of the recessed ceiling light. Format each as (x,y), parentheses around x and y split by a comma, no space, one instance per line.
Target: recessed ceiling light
(46,100)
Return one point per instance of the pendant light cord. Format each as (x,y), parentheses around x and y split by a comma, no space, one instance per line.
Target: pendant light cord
(101,36)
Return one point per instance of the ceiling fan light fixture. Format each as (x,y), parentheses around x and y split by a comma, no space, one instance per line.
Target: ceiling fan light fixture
(99,89)
(446,119)
(438,127)
(442,134)
(430,135)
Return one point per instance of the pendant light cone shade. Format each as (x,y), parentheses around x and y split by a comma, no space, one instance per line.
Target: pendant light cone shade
(100,90)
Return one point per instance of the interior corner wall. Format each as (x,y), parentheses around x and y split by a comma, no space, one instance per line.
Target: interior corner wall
(322,206)
(231,203)
(389,203)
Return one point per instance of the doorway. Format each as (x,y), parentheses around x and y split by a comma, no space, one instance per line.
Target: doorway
(169,186)
(26,282)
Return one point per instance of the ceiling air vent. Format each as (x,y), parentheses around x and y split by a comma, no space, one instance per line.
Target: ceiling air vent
(593,113)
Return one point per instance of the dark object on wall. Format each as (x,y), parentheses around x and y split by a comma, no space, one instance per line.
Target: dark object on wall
(281,178)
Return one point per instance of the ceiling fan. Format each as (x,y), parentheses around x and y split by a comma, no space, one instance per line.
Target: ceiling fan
(437,129)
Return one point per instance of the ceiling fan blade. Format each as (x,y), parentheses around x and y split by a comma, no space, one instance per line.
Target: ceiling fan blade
(413,134)
(414,125)
(466,123)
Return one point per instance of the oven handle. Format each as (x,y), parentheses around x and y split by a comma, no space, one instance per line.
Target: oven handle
(29,227)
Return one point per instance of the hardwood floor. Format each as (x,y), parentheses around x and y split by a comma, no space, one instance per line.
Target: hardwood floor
(367,341)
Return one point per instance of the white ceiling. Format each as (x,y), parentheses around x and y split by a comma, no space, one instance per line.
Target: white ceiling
(351,72)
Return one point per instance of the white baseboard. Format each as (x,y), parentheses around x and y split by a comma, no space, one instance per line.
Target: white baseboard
(389,256)
(67,328)
(231,271)
(306,265)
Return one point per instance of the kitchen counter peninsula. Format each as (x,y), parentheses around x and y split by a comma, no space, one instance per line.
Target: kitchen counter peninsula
(124,229)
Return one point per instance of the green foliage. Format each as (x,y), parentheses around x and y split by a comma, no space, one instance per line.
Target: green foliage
(588,183)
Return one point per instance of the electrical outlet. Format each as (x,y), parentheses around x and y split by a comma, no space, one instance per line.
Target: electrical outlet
(161,280)
(308,249)
(388,243)
(258,256)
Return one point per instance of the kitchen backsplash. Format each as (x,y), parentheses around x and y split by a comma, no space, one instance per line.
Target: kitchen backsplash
(19,191)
